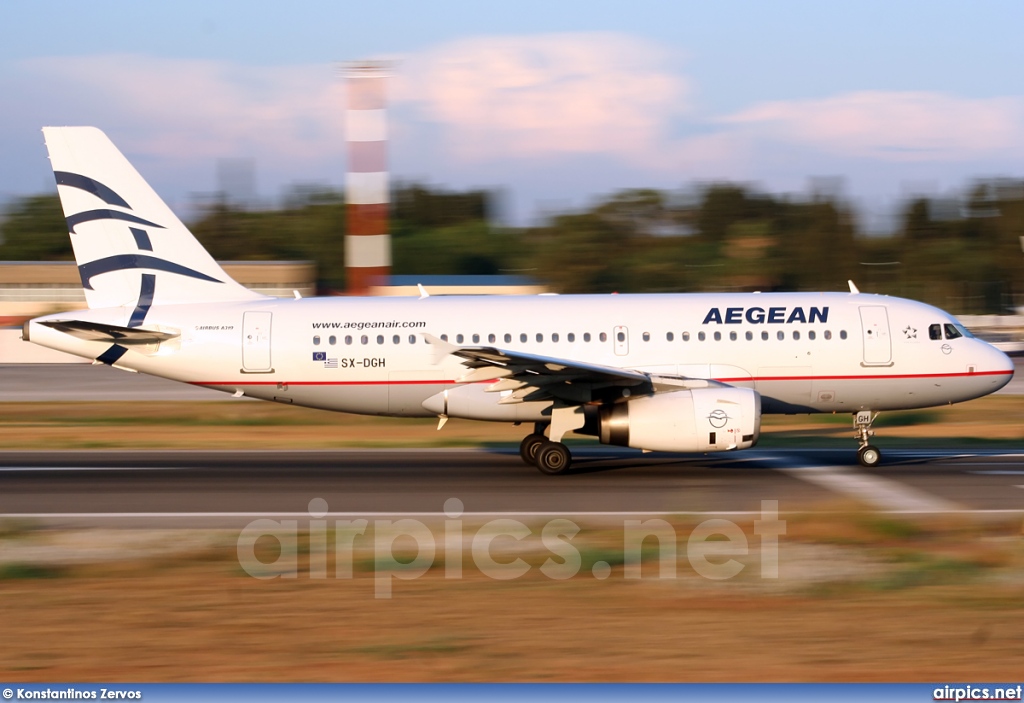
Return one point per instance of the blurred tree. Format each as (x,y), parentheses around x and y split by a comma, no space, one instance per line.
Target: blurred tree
(724,204)
(963,256)
(419,206)
(33,229)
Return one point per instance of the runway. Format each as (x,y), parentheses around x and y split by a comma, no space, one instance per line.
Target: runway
(201,488)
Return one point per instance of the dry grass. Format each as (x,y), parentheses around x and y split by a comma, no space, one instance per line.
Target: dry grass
(223,425)
(900,612)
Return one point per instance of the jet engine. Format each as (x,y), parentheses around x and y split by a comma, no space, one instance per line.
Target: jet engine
(698,420)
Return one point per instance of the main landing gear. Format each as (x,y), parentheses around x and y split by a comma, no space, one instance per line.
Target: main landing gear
(868,454)
(549,457)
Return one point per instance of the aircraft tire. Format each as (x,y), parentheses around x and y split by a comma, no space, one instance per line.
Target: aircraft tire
(869,455)
(529,446)
(553,458)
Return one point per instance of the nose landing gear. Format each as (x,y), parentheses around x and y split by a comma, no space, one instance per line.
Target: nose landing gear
(868,454)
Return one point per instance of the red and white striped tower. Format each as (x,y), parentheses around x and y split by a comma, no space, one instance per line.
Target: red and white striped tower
(367,242)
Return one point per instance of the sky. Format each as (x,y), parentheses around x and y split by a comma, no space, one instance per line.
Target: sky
(553,104)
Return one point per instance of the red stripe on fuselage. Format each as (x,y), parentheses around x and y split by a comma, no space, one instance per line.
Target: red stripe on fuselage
(756,379)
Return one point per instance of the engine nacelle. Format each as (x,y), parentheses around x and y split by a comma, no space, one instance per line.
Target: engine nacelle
(697,420)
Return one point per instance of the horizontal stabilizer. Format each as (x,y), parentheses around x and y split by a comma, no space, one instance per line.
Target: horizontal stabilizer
(100,332)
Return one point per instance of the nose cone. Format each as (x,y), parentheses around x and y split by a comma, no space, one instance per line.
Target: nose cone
(999,366)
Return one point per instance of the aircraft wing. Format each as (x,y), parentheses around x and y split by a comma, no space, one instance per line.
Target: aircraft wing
(531,377)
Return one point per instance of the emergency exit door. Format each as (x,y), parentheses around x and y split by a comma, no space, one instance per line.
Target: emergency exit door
(256,342)
(620,337)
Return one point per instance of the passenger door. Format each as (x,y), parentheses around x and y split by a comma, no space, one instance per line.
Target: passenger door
(874,321)
(256,342)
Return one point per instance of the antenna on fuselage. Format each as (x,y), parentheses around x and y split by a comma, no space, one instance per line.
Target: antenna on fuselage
(853,288)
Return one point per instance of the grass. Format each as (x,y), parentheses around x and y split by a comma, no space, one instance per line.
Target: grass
(193,617)
(927,570)
(987,422)
(142,618)
(16,528)
(17,571)
(889,528)
(399,651)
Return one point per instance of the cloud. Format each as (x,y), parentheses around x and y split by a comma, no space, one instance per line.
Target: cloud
(544,95)
(169,108)
(596,111)
(890,126)
(565,95)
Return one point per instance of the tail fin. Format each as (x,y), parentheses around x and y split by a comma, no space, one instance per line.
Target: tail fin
(131,249)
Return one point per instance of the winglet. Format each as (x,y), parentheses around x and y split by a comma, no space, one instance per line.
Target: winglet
(853,288)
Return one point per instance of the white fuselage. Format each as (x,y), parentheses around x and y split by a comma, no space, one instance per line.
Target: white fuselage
(803,352)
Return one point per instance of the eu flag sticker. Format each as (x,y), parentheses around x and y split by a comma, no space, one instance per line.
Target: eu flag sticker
(319,356)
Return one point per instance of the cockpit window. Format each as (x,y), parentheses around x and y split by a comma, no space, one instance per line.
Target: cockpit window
(955,330)
(935,331)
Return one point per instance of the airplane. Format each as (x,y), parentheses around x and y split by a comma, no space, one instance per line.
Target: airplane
(668,372)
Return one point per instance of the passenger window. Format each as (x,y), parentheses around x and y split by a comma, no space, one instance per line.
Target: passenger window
(540,337)
(508,338)
(554,336)
(603,337)
(586,336)
(621,336)
(522,337)
(459,338)
(718,336)
(396,339)
(571,337)
(669,336)
(764,336)
(491,339)
(780,335)
(646,336)
(732,336)
(842,334)
(686,336)
(444,338)
(412,339)
(366,340)
(749,335)
(316,340)
(828,334)
(348,339)
(701,336)
(380,339)
(332,340)
(796,334)
(952,332)
(934,331)
(811,335)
